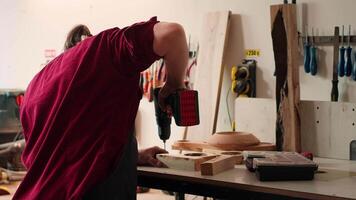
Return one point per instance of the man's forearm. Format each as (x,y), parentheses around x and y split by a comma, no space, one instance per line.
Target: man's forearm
(170,42)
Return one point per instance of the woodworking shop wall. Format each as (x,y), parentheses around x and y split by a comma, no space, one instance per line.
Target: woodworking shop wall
(33,31)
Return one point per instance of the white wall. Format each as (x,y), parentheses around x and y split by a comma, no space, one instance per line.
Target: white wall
(28,27)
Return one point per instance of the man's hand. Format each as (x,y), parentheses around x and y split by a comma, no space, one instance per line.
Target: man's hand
(147,157)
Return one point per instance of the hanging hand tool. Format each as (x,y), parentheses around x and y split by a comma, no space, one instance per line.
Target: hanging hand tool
(341,66)
(348,63)
(335,81)
(306,52)
(353,74)
(313,56)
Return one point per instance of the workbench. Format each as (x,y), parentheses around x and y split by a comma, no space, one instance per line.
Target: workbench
(335,179)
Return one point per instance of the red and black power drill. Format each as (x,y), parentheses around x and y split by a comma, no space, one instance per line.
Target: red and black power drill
(184,104)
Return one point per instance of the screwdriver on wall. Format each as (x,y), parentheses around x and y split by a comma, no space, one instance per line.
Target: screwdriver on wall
(348,63)
(353,74)
(306,52)
(341,65)
(313,56)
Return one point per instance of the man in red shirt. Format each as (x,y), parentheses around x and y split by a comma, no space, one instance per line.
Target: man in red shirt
(78,113)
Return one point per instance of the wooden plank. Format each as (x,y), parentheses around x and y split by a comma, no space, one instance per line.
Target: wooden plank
(217,165)
(199,146)
(285,45)
(257,116)
(209,71)
(328,128)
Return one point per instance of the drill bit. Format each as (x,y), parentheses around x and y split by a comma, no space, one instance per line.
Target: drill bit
(164,145)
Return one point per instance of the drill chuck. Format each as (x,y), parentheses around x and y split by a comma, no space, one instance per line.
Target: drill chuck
(164,132)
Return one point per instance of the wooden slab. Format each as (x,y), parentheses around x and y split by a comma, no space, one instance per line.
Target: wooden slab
(209,71)
(199,146)
(188,161)
(217,165)
(285,47)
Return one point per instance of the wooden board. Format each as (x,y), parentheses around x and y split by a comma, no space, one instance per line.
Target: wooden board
(329,128)
(209,71)
(257,116)
(217,165)
(189,161)
(285,47)
(199,146)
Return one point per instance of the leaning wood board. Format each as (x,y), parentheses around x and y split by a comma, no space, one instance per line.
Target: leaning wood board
(209,71)
(285,47)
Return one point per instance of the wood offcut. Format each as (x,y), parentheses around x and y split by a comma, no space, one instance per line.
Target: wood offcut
(217,165)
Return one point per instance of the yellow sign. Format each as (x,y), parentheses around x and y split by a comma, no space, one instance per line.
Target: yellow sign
(252,53)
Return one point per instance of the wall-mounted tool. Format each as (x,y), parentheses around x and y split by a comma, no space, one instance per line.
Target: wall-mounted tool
(341,66)
(243,78)
(286,1)
(353,150)
(348,63)
(313,56)
(185,108)
(335,81)
(353,74)
(306,52)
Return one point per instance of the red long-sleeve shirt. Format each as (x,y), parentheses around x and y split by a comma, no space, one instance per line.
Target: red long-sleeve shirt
(77,112)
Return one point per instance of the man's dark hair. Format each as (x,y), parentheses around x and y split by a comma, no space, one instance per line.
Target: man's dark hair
(75,35)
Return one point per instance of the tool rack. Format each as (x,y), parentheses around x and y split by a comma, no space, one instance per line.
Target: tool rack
(335,41)
(327,40)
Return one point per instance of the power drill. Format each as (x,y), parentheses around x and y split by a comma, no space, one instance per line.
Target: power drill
(184,104)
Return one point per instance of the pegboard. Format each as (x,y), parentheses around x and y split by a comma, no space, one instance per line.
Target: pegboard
(327,128)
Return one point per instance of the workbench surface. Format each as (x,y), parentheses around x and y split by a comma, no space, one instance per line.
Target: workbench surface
(336,179)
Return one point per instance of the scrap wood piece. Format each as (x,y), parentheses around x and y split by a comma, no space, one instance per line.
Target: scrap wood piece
(218,164)
(188,161)
(285,47)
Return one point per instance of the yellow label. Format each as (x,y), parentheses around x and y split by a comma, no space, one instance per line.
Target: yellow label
(252,52)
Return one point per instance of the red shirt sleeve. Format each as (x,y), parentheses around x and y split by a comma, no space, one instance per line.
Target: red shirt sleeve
(132,46)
